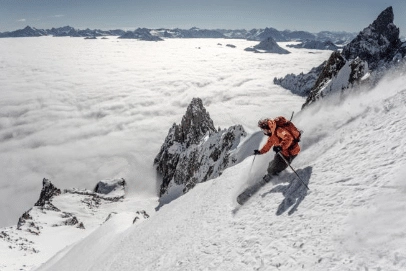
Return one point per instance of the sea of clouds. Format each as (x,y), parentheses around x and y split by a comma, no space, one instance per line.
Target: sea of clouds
(77,111)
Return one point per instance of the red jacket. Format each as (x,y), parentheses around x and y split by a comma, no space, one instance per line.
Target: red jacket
(281,137)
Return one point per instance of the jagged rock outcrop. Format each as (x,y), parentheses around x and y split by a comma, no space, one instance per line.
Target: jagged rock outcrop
(314,44)
(47,193)
(365,59)
(378,43)
(195,125)
(267,46)
(194,152)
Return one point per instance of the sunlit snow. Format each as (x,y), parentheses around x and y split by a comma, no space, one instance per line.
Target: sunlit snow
(78,111)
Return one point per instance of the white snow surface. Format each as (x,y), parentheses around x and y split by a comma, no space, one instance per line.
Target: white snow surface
(352,218)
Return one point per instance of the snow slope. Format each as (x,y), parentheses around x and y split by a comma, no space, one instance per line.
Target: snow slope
(352,218)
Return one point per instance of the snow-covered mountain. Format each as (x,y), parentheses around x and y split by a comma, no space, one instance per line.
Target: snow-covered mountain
(140,34)
(364,60)
(26,32)
(352,159)
(268,45)
(313,44)
(194,32)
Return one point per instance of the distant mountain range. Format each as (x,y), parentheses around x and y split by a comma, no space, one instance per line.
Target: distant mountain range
(159,34)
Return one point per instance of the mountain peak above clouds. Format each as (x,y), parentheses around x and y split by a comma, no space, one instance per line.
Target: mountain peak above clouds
(194,152)
(379,41)
(365,59)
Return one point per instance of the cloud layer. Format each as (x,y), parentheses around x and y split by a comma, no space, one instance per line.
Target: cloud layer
(77,111)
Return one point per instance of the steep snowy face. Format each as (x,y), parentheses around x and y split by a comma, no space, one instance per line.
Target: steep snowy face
(194,152)
(377,42)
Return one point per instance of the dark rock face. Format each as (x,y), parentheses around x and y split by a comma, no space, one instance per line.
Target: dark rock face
(194,151)
(378,42)
(267,46)
(195,124)
(48,191)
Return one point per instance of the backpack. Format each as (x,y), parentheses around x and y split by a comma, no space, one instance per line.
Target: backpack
(288,126)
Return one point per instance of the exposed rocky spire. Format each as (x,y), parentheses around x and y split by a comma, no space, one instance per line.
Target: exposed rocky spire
(194,152)
(378,42)
(195,124)
(48,191)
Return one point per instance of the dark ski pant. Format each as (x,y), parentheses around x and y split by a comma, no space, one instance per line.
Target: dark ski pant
(277,165)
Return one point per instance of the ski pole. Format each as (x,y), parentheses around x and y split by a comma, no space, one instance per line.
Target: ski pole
(280,154)
(291,117)
(252,162)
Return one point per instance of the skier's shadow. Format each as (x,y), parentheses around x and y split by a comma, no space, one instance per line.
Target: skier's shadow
(294,192)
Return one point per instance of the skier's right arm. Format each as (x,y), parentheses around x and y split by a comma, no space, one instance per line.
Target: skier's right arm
(267,146)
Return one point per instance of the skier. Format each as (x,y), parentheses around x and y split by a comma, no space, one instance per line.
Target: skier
(284,137)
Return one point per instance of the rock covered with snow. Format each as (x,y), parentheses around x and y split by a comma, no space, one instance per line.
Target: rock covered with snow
(47,193)
(28,31)
(112,187)
(377,43)
(364,59)
(59,218)
(268,45)
(315,44)
(302,83)
(194,151)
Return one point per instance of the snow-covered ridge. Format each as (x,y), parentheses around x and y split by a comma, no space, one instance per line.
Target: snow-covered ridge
(314,44)
(194,32)
(368,56)
(60,218)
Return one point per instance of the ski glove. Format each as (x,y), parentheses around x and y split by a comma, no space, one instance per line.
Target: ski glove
(277,149)
(256,152)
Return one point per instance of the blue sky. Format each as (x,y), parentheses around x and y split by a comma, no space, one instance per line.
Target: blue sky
(310,15)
